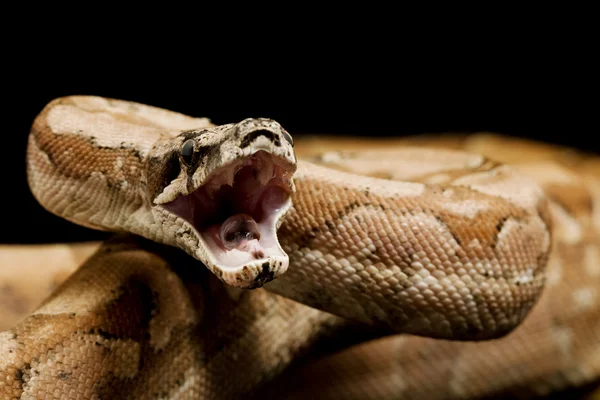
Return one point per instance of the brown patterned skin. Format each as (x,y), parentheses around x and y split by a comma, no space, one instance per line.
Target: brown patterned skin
(158,333)
(555,353)
(458,253)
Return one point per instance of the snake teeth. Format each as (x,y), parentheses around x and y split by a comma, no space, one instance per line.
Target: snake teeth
(228,176)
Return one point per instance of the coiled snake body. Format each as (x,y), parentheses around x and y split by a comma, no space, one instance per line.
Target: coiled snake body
(475,280)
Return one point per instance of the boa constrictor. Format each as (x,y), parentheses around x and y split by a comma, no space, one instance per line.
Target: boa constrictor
(404,272)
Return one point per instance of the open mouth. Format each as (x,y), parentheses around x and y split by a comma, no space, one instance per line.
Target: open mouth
(237,208)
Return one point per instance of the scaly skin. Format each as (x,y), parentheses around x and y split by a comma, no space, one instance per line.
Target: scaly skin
(553,352)
(459,252)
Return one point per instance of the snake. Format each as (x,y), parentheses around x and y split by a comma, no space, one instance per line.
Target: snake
(245,264)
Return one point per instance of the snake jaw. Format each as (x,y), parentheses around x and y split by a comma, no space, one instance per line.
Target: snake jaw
(235,213)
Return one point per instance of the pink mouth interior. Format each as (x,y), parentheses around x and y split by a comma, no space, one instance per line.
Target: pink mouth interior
(235,209)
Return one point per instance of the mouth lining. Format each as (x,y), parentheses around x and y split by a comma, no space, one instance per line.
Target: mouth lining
(235,210)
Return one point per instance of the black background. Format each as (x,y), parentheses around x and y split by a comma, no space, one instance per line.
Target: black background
(375,94)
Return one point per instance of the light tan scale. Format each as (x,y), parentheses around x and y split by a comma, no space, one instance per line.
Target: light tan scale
(320,253)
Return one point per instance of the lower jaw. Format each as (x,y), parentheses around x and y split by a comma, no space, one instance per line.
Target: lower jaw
(252,274)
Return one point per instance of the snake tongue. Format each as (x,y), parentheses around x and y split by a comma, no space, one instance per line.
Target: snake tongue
(241,232)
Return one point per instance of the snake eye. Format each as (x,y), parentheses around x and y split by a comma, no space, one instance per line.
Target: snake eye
(288,138)
(187,151)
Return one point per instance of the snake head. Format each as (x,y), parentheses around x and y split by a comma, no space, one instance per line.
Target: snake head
(222,192)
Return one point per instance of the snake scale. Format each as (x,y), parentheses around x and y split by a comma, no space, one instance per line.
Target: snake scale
(418,270)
